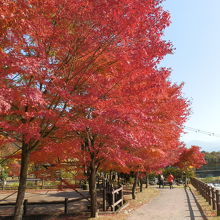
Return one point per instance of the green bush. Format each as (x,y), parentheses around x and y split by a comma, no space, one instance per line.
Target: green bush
(131,180)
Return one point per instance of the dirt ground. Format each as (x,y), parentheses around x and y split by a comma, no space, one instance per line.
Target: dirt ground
(45,196)
(77,210)
(151,204)
(131,205)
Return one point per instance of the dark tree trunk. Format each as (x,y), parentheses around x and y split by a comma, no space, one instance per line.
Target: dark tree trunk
(147,180)
(22,183)
(92,188)
(134,185)
(141,185)
(118,174)
(110,175)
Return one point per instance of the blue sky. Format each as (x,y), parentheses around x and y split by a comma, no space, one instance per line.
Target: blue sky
(195,33)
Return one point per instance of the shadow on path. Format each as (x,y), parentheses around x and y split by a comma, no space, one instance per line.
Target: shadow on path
(191,210)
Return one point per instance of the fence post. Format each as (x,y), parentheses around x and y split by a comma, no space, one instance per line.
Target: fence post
(213,198)
(218,202)
(113,201)
(203,190)
(66,206)
(104,198)
(207,193)
(210,195)
(122,201)
(25,207)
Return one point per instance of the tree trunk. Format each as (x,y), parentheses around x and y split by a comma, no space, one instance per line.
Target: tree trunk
(118,175)
(22,183)
(134,185)
(92,189)
(141,185)
(110,175)
(147,180)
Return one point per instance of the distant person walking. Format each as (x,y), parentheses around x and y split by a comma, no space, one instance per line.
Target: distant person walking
(170,180)
(161,180)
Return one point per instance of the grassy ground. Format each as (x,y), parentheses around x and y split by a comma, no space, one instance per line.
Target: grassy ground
(211,179)
(142,198)
(206,208)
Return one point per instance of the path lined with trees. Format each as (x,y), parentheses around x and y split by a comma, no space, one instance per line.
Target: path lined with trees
(174,204)
(81,92)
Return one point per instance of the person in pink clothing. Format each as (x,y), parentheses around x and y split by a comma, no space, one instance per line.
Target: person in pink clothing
(170,180)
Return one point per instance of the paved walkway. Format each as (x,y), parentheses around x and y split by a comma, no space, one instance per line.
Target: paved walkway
(174,204)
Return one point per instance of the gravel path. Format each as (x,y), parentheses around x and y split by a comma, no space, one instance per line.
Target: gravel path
(171,204)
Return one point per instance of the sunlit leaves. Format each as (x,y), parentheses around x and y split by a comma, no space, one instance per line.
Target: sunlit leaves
(80,79)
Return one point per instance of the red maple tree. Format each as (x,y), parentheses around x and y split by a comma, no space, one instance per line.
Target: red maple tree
(86,71)
(191,158)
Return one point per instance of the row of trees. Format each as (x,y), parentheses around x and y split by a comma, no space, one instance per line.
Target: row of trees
(212,159)
(80,88)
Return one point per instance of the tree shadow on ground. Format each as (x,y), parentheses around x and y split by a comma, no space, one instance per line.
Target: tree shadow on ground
(203,204)
(84,216)
(67,194)
(192,208)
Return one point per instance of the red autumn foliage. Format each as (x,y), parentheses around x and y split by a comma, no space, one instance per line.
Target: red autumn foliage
(80,81)
(191,157)
(14,168)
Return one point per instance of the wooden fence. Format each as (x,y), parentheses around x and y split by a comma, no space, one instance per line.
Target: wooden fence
(32,183)
(30,187)
(114,197)
(211,195)
(26,204)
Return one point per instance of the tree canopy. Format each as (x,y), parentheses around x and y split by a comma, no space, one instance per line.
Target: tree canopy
(80,81)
